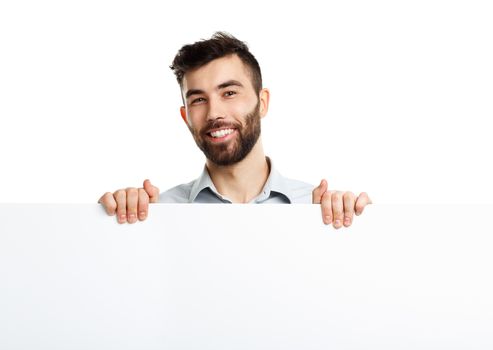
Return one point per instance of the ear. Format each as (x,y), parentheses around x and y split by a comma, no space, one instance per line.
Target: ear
(264,98)
(183,113)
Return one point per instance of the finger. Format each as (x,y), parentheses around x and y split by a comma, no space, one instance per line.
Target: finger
(121,205)
(143,205)
(132,199)
(109,203)
(319,191)
(337,209)
(152,191)
(348,200)
(361,202)
(326,206)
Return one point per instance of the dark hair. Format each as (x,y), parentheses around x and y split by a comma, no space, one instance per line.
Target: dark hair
(219,45)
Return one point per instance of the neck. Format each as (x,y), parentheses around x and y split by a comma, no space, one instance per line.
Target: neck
(243,181)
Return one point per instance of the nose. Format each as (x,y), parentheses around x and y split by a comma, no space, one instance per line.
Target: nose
(216,110)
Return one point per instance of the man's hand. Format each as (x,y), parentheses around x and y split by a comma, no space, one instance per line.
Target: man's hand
(339,207)
(127,203)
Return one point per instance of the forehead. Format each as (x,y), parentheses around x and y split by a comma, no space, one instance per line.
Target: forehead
(217,72)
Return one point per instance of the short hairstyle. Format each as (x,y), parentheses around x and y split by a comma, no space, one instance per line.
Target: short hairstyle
(221,44)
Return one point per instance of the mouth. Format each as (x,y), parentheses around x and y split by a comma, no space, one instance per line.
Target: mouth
(219,135)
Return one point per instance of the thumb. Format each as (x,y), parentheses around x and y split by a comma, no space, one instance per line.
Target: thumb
(152,191)
(319,191)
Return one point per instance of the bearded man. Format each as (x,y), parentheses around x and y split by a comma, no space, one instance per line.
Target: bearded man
(223,103)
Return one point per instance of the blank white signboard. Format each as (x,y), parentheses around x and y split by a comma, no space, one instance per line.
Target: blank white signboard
(246,277)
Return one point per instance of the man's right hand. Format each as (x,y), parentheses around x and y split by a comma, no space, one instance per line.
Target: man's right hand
(130,204)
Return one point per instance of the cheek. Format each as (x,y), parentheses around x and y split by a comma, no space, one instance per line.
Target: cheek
(195,117)
(240,110)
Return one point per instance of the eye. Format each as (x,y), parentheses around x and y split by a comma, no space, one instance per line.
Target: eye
(229,93)
(198,100)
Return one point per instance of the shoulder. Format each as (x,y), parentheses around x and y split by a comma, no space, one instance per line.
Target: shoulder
(299,192)
(177,194)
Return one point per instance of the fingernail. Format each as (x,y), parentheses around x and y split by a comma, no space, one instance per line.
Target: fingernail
(327,219)
(347,221)
(142,215)
(131,217)
(337,223)
(122,218)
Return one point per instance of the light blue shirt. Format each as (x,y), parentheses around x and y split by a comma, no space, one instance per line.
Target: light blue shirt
(277,190)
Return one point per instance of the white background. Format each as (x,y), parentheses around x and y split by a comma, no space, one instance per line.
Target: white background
(389,97)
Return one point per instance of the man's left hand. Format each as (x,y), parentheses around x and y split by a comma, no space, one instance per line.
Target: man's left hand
(339,207)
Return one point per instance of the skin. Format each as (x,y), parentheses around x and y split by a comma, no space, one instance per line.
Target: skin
(221,92)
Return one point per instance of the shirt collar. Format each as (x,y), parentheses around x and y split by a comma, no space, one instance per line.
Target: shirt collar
(203,182)
(275,183)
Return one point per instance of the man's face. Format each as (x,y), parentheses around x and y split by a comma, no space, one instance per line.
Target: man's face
(222,110)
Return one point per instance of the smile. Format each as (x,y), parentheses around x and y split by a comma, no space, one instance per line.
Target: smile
(220,135)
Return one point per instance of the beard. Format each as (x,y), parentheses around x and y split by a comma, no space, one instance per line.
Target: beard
(235,150)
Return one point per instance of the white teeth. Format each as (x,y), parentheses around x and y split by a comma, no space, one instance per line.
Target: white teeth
(221,133)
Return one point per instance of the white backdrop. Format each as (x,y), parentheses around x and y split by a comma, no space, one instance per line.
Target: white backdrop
(392,98)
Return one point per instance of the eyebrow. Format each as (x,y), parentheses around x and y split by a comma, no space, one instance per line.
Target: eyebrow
(219,87)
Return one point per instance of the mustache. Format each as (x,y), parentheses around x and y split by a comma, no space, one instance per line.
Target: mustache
(218,124)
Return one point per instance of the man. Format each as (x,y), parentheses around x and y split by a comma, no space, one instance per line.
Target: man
(223,102)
